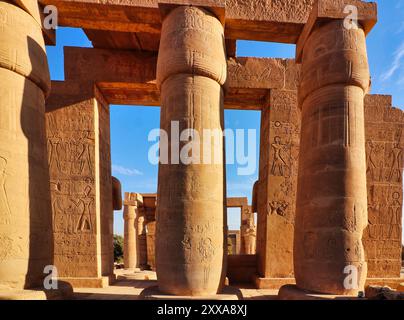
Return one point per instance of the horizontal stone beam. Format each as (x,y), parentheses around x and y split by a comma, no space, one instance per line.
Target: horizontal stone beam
(277,21)
(129,78)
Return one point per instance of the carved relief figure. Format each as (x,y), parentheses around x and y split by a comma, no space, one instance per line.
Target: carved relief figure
(278,207)
(4,205)
(278,163)
(53,155)
(84,223)
(396,166)
(371,166)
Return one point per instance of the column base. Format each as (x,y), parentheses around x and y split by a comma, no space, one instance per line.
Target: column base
(64,292)
(292,292)
(153,293)
(272,283)
(100,282)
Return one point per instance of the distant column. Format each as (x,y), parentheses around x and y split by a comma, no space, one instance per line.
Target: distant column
(130,212)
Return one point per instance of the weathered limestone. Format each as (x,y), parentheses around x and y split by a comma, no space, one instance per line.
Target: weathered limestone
(190,238)
(132,203)
(25,215)
(276,188)
(331,205)
(81,185)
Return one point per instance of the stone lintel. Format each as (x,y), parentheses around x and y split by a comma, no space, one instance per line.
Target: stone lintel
(276,21)
(133,199)
(325,10)
(130,77)
(237,202)
(216,7)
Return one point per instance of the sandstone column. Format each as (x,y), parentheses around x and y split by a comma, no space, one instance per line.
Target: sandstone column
(25,215)
(130,212)
(190,238)
(331,209)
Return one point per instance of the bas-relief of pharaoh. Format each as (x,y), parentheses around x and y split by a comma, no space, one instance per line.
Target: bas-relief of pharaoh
(278,164)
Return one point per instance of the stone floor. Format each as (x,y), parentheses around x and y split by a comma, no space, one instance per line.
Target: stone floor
(129,285)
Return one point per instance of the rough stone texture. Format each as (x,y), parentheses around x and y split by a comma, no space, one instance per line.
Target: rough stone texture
(25,215)
(81,185)
(332,166)
(383,293)
(384,153)
(276,187)
(190,259)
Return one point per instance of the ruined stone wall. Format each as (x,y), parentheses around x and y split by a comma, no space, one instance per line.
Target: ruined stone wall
(384,154)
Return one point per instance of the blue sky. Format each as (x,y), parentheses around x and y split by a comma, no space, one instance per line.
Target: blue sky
(130,125)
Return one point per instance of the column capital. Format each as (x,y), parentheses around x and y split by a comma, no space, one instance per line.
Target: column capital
(133,199)
(217,7)
(326,10)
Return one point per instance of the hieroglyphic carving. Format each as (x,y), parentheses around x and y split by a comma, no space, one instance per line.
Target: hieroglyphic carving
(278,175)
(74,132)
(382,237)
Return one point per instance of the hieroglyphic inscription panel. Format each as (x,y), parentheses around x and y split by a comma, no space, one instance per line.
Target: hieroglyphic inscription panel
(384,154)
(73,129)
(280,134)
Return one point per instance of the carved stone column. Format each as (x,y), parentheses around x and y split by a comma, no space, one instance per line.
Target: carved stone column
(190,238)
(130,213)
(331,209)
(25,207)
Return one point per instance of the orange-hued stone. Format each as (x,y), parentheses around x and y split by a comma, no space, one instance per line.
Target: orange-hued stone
(331,208)
(190,222)
(25,215)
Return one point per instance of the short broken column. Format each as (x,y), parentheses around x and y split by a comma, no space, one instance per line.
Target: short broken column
(190,238)
(130,213)
(331,210)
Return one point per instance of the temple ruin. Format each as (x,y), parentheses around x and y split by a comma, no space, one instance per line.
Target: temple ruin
(329,193)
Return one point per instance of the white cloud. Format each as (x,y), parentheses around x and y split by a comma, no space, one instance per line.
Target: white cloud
(125,171)
(396,65)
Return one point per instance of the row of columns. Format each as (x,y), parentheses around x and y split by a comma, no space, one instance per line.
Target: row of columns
(190,243)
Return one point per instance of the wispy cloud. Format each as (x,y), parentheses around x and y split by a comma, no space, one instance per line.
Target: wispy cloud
(396,65)
(125,171)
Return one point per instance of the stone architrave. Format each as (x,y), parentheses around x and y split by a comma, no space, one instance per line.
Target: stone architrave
(191,70)
(78,137)
(384,167)
(25,213)
(331,204)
